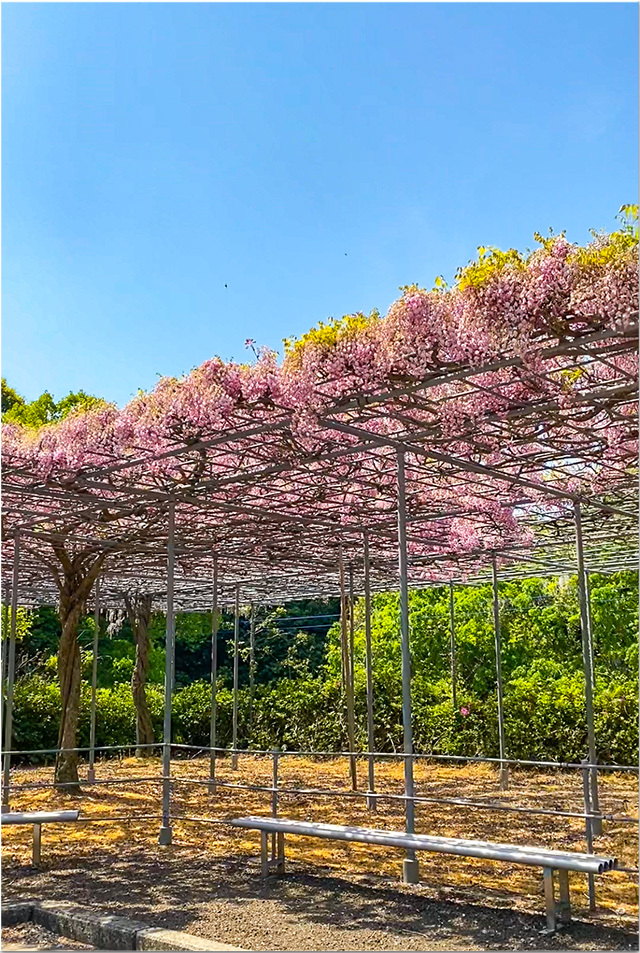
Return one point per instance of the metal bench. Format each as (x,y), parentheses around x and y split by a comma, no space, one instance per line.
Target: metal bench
(38,818)
(549,860)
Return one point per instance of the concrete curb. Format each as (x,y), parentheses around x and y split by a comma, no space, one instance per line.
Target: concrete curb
(104,931)
(13,913)
(158,939)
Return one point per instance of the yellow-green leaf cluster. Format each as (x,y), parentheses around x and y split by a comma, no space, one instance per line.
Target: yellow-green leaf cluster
(326,334)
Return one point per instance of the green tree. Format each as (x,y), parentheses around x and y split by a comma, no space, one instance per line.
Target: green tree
(43,410)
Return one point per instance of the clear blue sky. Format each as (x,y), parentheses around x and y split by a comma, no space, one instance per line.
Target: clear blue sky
(309,157)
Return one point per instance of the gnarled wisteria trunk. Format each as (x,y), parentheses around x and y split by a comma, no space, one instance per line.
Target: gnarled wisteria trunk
(139,612)
(75,581)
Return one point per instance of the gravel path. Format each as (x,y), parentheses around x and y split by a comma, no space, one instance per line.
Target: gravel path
(335,896)
(304,910)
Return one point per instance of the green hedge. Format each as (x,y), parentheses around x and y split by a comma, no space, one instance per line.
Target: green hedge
(544,716)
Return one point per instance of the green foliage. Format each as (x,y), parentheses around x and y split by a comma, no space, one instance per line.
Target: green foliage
(37,714)
(43,410)
(326,334)
(544,717)
(298,702)
(10,397)
(23,623)
(490,261)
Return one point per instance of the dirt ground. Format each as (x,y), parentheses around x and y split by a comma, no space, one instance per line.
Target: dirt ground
(30,936)
(334,896)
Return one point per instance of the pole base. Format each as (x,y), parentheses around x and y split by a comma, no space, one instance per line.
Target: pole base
(596,825)
(211,787)
(234,762)
(91,775)
(504,779)
(372,803)
(410,871)
(164,837)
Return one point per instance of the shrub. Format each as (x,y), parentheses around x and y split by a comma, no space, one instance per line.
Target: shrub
(544,717)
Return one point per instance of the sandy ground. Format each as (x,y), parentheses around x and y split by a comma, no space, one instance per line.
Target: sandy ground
(333,896)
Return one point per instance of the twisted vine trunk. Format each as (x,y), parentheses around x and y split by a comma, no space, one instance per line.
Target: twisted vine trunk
(75,582)
(139,612)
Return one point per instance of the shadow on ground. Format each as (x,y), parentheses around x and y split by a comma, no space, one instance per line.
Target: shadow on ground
(306,909)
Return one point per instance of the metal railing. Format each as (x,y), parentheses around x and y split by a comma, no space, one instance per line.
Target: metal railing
(167,782)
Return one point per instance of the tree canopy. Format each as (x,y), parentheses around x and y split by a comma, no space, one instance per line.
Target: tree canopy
(44,409)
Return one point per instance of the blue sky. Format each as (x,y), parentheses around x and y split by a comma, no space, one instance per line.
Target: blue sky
(178,178)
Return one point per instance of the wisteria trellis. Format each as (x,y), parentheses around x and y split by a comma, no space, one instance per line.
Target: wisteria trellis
(510,398)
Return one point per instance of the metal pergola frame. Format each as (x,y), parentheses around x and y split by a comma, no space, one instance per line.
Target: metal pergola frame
(263,511)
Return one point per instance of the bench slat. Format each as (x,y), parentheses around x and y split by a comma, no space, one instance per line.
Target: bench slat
(40,817)
(510,853)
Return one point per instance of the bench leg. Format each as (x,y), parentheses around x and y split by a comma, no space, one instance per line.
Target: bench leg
(564,906)
(280,864)
(37,844)
(410,869)
(264,853)
(549,899)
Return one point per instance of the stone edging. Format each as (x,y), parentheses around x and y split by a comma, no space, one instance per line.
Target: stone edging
(104,931)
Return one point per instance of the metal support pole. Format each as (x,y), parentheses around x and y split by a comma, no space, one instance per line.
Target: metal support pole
(592,665)
(91,772)
(11,677)
(274,797)
(410,869)
(351,684)
(452,650)
(164,837)
(343,625)
(252,666)
(352,652)
(371,744)
(588,824)
(5,645)
(236,645)
(347,676)
(597,821)
(588,667)
(504,771)
(213,742)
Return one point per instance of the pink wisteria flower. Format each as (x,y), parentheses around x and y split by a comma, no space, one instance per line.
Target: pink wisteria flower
(464,711)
